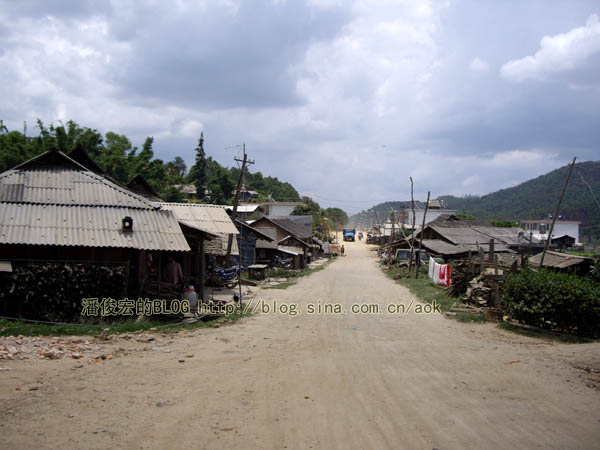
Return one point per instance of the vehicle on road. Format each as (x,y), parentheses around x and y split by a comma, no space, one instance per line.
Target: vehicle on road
(349,234)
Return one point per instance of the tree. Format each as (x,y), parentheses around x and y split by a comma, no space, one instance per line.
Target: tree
(198,172)
(336,215)
(177,166)
(219,185)
(117,157)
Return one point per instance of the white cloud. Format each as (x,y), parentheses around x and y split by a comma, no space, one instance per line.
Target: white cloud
(335,97)
(479,65)
(560,53)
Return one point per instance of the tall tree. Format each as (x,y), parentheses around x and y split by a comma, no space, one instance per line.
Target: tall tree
(198,171)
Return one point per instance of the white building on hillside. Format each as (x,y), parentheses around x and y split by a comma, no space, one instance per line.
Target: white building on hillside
(540,228)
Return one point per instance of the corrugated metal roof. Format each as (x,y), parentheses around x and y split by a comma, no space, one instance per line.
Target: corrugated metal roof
(289,250)
(53,200)
(209,218)
(245,208)
(442,247)
(508,235)
(301,222)
(461,235)
(56,185)
(89,226)
(289,225)
(559,260)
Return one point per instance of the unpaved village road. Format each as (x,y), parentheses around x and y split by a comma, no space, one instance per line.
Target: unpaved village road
(313,381)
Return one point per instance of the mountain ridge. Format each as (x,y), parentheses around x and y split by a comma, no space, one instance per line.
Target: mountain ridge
(534,199)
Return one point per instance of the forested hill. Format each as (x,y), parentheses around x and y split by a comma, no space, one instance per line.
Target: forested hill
(121,160)
(533,199)
(537,198)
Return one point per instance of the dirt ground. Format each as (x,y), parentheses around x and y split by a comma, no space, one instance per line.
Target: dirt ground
(333,381)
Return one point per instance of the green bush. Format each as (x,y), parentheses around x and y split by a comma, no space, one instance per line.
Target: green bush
(556,301)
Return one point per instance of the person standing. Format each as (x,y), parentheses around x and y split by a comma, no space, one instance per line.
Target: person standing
(172,272)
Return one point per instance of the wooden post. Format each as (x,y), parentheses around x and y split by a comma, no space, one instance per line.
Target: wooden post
(481,256)
(492,250)
(421,237)
(470,263)
(235,204)
(562,194)
(378,226)
(202,267)
(412,245)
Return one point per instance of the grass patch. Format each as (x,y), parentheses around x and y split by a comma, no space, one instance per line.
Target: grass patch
(466,317)
(423,288)
(582,253)
(543,334)
(15,328)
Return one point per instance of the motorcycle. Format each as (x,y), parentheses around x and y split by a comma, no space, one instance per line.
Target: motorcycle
(223,277)
(284,263)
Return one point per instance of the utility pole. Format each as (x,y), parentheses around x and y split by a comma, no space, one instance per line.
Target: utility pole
(378,226)
(412,245)
(393,226)
(418,259)
(562,194)
(238,188)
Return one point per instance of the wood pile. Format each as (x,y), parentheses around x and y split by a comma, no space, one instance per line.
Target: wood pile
(478,292)
(154,289)
(461,276)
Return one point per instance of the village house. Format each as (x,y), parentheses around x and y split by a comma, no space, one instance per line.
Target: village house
(291,235)
(280,208)
(449,237)
(246,242)
(207,219)
(246,194)
(245,211)
(563,230)
(53,208)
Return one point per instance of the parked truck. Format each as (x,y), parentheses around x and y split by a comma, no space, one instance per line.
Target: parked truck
(349,234)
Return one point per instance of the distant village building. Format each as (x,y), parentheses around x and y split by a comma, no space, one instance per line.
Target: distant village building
(450,237)
(189,191)
(435,209)
(280,208)
(246,194)
(244,212)
(562,229)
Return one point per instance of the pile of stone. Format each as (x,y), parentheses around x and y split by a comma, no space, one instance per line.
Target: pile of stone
(22,347)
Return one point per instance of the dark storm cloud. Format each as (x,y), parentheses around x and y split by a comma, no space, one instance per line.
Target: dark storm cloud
(64,9)
(224,56)
(533,115)
(464,96)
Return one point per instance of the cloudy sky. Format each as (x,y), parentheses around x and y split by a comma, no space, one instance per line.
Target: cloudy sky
(344,99)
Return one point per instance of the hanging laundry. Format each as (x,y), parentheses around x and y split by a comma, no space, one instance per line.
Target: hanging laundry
(439,273)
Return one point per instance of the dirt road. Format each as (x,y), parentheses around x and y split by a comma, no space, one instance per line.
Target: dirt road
(332,381)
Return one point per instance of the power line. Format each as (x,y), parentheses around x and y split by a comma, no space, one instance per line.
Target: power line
(589,187)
